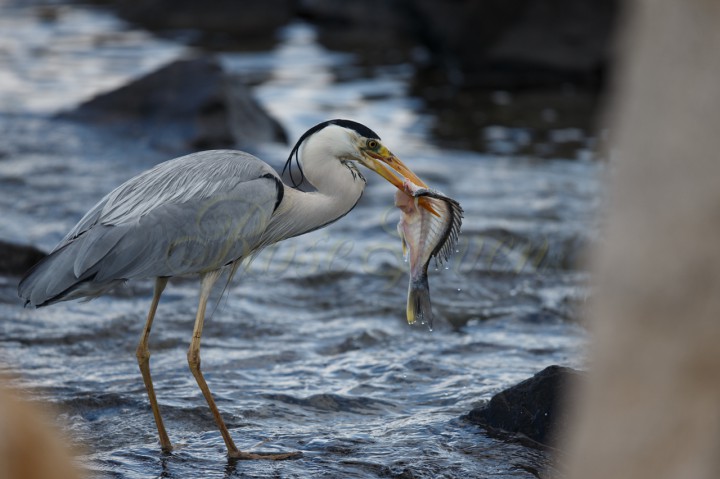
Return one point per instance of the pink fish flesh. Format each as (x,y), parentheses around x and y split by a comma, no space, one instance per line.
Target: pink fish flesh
(425,236)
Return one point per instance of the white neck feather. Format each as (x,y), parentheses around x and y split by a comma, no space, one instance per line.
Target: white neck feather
(338,187)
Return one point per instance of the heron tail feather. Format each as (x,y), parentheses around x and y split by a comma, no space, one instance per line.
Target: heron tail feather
(53,279)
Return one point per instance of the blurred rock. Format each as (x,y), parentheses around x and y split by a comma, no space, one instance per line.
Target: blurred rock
(494,43)
(533,407)
(521,43)
(189,104)
(378,31)
(249,24)
(552,55)
(469,117)
(16,259)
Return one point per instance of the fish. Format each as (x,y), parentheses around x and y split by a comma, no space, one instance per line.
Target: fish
(429,227)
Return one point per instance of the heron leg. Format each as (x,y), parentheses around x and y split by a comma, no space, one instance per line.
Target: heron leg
(143,357)
(208,280)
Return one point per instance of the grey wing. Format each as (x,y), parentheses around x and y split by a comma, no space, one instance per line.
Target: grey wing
(91,218)
(189,215)
(182,238)
(195,176)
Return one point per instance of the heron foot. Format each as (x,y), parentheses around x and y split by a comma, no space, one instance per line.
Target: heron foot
(267,456)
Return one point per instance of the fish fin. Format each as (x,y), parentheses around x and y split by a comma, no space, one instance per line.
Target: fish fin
(425,203)
(402,239)
(418,302)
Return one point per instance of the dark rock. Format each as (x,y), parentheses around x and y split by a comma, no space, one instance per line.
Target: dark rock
(249,123)
(510,43)
(552,55)
(467,118)
(534,408)
(16,259)
(249,24)
(379,31)
(189,104)
(493,43)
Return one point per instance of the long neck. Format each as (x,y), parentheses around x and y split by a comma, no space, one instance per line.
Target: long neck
(338,189)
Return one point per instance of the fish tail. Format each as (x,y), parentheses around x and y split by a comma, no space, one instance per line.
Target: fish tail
(418,302)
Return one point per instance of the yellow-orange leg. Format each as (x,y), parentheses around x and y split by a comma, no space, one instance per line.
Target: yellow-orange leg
(208,280)
(143,357)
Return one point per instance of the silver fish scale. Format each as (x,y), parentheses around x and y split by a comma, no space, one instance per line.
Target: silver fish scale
(446,226)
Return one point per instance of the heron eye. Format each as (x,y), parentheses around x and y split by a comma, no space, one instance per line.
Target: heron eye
(373,144)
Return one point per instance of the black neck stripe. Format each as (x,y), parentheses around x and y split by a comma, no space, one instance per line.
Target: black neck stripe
(349,124)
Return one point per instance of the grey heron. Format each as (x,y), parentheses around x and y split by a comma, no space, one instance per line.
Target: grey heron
(201,214)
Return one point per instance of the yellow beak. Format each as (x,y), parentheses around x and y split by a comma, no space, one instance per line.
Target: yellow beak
(377,162)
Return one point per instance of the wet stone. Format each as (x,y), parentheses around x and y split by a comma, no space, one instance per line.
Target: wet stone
(533,408)
(189,104)
(250,24)
(16,259)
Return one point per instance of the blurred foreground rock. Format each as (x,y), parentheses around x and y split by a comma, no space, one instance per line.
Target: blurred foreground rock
(534,408)
(29,447)
(16,259)
(650,408)
(187,105)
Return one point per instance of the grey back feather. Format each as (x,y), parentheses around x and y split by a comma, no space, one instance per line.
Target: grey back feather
(189,215)
(192,177)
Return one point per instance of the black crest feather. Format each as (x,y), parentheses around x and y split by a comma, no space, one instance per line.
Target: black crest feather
(349,124)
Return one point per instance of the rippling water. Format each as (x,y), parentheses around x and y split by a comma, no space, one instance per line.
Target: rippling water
(308,350)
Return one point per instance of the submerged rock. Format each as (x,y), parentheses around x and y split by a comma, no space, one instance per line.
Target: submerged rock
(16,259)
(534,408)
(189,104)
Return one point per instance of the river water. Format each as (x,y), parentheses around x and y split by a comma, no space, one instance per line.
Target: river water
(308,350)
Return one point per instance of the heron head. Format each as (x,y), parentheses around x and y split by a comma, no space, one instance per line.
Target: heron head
(375,156)
(349,140)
